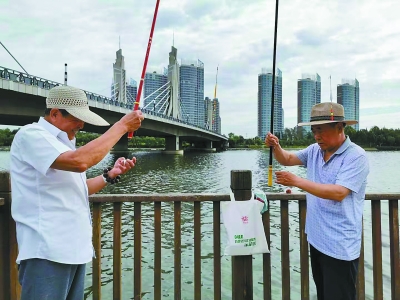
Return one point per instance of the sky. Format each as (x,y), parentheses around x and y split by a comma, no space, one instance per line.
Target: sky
(344,39)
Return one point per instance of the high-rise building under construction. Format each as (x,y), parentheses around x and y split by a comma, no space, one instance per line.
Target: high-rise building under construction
(208,113)
(216,122)
(212,110)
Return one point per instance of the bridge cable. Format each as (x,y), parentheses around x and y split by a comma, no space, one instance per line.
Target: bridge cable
(14,58)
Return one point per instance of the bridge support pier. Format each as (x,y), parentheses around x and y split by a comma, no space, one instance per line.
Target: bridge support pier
(173,145)
(204,146)
(122,144)
(221,145)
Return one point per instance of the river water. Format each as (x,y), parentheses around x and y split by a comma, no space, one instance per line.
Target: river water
(210,173)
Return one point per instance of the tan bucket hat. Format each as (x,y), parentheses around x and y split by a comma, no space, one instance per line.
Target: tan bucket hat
(74,101)
(327,112)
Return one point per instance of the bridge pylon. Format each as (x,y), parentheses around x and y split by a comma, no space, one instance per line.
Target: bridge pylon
(173,78)
(118,88)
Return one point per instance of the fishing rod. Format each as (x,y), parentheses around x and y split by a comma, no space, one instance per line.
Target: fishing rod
(146,58)
(273,94)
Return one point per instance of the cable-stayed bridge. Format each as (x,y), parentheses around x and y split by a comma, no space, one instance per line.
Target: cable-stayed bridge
(22,101)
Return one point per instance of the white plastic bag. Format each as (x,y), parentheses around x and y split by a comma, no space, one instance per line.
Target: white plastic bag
(244,227)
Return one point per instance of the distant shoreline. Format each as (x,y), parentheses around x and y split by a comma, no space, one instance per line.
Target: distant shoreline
(302,147)
(388,148)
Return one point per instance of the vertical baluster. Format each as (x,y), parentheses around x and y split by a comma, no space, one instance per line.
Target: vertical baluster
(197,250)
(304,267)
(377,248)
(361,271)
(267,256)
(394,247)
(285,260)
(8,248)
(157,250)
(217,249)
(4,289)
(137,280)
(14,283)
(117,291)
(96,262)
(177,250)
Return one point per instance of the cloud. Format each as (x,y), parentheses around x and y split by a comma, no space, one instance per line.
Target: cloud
(310,38)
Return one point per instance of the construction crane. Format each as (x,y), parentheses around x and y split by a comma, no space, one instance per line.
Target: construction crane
(216,82)
(214,111)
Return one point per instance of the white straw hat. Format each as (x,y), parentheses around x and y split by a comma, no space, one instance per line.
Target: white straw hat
(327,112)
(74,101)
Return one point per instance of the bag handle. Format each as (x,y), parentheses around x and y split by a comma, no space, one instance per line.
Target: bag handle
(232,195)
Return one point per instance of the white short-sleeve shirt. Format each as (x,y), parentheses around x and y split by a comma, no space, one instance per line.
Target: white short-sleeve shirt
(50,207)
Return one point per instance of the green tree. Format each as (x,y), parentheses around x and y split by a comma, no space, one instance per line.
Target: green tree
(351,132)
(391,140)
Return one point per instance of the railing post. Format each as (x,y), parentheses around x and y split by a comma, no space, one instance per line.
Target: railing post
(117,251)
(361,269)
(394,247)
(96,261)
(9,286)
(242,269)
(377,248)
(304,265)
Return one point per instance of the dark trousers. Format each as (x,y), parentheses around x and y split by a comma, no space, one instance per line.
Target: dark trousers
(42,279)
(334,279)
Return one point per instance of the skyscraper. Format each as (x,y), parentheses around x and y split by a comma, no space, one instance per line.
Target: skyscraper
(154,89)
(348,94)
(131,92)
(265,100)
(191,90)
(308,94)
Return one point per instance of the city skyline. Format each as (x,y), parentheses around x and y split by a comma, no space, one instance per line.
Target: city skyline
(185,79)
(236,36)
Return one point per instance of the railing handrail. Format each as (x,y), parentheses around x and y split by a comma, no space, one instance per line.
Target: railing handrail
(208,197)
(18,73)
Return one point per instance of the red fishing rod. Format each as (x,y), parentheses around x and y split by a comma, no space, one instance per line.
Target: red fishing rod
(139,93)
(273,94)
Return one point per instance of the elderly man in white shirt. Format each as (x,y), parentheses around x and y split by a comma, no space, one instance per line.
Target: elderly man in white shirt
(50,193)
